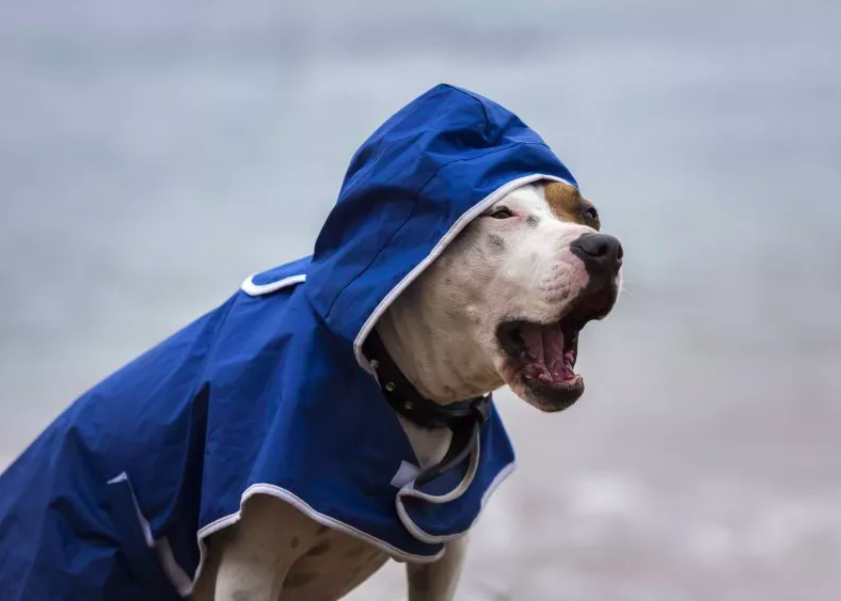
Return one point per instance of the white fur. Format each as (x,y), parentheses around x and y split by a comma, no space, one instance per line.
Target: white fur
(442,329)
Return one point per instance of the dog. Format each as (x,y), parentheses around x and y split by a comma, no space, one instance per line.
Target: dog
(335,411)
(502,305)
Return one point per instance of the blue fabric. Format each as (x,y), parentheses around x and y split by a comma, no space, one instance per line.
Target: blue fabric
(266,390)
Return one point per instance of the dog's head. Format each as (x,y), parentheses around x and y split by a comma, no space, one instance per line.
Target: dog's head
(509,297)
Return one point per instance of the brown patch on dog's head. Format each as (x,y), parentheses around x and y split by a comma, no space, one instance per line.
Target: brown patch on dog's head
(567,204)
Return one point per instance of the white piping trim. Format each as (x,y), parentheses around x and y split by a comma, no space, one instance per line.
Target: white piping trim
(176,574)
(459,225)
(252,289)
(306,509)
(429,538)
(410,491)
(144,523)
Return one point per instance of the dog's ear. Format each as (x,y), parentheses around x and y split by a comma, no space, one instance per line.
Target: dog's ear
(567,204)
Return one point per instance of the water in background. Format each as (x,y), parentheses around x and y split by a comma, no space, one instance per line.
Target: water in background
(154,154)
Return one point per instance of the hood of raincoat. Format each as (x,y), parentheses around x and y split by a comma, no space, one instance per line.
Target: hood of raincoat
(270,393)
(414,184)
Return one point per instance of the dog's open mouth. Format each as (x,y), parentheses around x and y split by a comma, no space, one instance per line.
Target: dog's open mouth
(546,353)
(543,356)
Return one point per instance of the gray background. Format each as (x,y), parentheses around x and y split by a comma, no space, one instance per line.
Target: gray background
(153,154)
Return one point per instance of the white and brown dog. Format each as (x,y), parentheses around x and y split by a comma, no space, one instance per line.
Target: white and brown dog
(504,304)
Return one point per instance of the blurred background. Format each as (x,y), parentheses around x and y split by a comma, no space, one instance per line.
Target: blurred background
(154,154)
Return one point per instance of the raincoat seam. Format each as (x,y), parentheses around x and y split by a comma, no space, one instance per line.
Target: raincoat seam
(481,104)
(371,163)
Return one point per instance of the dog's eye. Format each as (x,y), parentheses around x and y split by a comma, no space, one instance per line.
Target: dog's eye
(502,213)
(592,214)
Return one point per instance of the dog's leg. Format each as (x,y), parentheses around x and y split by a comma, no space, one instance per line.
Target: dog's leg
(255,556)
(437,581)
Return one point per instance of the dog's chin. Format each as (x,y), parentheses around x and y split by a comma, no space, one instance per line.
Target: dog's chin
(549,397)
(537,357)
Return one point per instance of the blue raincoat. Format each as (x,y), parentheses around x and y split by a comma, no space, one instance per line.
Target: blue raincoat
(270,392)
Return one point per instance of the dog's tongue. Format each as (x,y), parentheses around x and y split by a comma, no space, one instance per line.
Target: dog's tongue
(545,345)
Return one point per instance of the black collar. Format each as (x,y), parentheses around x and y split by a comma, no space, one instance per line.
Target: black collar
(464,418)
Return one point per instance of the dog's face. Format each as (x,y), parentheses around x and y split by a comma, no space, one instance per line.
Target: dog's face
(514,289)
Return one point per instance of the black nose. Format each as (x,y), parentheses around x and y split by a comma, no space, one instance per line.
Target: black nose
(600,253)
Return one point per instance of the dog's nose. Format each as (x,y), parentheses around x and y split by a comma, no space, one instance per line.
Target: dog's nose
(599,252)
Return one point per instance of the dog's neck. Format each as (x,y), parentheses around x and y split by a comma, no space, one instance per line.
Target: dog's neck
(441,360)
